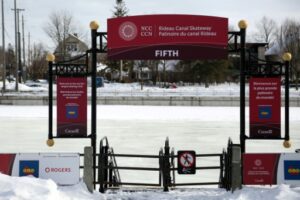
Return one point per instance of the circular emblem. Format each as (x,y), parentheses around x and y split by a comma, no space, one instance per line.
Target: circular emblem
(128,31)
(258,162)
(186,160)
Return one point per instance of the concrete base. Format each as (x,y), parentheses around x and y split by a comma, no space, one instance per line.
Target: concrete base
(88,172)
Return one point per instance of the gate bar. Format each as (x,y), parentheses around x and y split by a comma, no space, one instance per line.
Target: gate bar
(204,183)
(134,155)
(207,167)
(134,168)
(136,184)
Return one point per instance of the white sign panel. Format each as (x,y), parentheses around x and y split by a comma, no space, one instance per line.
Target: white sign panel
(62,168)
(289,169)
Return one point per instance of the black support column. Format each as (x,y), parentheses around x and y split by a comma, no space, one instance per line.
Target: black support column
(50,58)
(242,26)
(94,26)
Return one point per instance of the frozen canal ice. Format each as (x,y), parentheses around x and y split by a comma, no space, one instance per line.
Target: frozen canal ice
(142,130)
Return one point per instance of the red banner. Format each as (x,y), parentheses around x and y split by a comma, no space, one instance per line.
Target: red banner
(265,103)
(260,169)
(71,107)
(6,163)
(167,37)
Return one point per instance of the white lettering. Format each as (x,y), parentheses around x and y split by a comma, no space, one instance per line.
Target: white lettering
(146,34)
(72,131)
(265,131)
(167,53)
(146,28)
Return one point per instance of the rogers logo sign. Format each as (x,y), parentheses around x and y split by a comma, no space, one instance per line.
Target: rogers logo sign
(57,170)
(128,31)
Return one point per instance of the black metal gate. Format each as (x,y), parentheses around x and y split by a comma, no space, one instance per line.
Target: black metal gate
(109,172)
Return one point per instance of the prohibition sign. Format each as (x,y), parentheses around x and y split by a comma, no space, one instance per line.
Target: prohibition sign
(186,159)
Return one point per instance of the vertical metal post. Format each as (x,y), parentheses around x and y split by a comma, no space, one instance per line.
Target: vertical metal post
(110,178)
(16,44)
(105,166)
(242,89)
(50,100)
(166,170)
(221,179)
(121,70)
(287,101)
(100,168)
(3,48)
(20,71)
(28,51)
(94,99)
(24,59)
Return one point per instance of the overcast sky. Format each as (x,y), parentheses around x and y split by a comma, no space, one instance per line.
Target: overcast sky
(37,12)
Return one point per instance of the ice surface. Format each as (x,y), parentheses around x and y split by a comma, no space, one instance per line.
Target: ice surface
(139,129)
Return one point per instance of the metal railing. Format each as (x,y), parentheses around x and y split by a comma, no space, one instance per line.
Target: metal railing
(109,176)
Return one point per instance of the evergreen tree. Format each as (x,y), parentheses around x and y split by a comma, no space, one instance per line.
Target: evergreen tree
(120,9)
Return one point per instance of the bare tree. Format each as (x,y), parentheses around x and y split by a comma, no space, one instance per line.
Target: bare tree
(288,38)
(39,66)
(58,28)
(266,30)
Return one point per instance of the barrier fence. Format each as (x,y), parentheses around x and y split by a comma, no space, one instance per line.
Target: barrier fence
(108,171)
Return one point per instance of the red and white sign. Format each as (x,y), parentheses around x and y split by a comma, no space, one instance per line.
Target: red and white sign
(260,169)
(71,107)
(186,162)
(186,159)
(62,168)
(167,37)
(265,104)
(271,168)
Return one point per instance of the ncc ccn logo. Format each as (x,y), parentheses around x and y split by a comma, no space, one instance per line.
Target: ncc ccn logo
(292,169)
(29,167)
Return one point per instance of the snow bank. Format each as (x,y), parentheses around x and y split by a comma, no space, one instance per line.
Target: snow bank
(134,89)
(10,86)
(38,189)
(30,188)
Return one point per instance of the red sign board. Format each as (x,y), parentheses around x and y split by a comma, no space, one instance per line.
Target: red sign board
(6,163)
(186,162)
(167,37)
(265,103)
(260,169)
(71,107)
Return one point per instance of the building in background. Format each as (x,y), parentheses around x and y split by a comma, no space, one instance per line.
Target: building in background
(71,47)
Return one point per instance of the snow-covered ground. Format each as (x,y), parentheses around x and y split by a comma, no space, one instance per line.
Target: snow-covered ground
(142,129)
(28,188)
(134,89)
